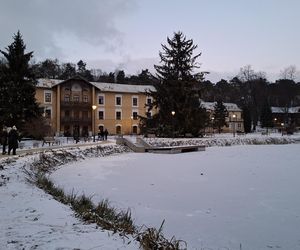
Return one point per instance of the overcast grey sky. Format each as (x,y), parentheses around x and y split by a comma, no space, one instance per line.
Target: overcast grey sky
(127,34)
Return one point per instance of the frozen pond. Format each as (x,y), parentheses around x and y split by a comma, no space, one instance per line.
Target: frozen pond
(218,199)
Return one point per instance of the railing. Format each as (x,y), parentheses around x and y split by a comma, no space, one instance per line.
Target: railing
(76,119)
(76,104)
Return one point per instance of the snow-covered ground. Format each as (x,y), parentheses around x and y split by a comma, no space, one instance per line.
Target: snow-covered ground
(224,198)
(31,219)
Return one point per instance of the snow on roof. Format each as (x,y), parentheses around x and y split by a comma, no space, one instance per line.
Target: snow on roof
(122,88)
(47,83)
(229,106)
(285,110)
(103,86)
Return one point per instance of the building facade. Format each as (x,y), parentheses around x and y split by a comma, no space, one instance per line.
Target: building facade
(286,117)
(78,107)
(234,120)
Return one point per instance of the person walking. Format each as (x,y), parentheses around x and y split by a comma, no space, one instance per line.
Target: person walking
(4,136)
(105,134)
(13,138)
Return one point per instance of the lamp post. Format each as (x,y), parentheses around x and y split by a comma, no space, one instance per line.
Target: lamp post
(173,113)
(282,127)
(212,124)
(94,121)
(234,117)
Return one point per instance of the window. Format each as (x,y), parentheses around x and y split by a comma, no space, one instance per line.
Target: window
(134,129)
(149,101)
(118,129)
(118,115)
(134,115)
(118,100)
(48,97)
(48,113)
(148,114)
(76,98)
(76,114)
(101,99)
(101,128)
(67,89)
(101,115)
(67,98)
(134,101)
(85,98)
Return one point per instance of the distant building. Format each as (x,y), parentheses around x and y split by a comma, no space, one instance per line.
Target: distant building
(234,121)
(68,106)
(286,117)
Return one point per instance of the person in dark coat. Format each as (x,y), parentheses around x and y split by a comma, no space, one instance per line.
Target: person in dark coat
(105,134)
(4,136)
(13,139)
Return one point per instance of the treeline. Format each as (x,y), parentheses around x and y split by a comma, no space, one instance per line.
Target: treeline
(254,94)
(52,68)
(247,86)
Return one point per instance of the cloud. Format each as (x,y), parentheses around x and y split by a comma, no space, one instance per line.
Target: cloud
(45,24)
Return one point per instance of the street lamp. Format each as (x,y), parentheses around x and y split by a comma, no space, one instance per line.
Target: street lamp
(212,124)
(173,113)
(234,117)
(94,121)
(282,127)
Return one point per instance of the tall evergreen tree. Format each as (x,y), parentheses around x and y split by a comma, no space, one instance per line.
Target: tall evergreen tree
(18,103)
(266,119)
(68,70)
(120,76)
(220,114)
(47,69)
(247,119)
(177,89)
(83,71)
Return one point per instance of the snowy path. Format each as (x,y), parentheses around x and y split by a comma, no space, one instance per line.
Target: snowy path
(31,219)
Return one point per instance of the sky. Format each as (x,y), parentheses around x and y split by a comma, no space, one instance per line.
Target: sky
(127,34)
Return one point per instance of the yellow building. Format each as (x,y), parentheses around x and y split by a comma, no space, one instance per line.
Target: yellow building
(76,106)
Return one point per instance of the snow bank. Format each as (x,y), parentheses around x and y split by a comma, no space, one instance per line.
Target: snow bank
(219,141)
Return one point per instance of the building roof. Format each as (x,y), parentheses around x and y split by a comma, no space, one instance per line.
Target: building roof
(232,107)
(281,110)
(122,88)
(47,83)
(102,86)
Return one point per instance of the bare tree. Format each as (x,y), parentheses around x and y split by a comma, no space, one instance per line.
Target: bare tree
(289,73)
(248,74)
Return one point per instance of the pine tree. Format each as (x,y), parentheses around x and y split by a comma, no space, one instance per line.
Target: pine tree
(177,89)
(18,103)
(247,119)
(68,71)
(266,116)
(82,71)
(220,114)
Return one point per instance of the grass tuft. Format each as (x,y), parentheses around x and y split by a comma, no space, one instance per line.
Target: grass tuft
(103,214)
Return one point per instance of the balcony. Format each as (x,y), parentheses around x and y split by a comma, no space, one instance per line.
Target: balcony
(76,104)
(82,120)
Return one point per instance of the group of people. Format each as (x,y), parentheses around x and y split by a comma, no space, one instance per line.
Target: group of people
(102,135)
(10,138)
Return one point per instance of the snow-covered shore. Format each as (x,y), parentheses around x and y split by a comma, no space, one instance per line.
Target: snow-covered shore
(154,186)
(225,140)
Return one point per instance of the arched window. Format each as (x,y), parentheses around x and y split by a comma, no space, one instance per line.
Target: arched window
(118,129)
(134,129)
